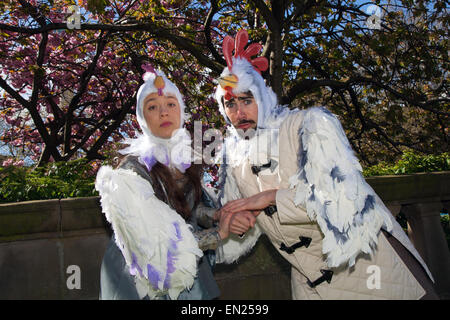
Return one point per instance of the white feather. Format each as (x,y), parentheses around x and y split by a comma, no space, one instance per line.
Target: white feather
(234,247)
(145,226)
(338,199)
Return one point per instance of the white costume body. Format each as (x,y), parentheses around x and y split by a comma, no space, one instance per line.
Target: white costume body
(352,261)
(326,211)
(158,246)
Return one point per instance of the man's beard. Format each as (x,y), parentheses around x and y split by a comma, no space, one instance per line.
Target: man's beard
(246,133)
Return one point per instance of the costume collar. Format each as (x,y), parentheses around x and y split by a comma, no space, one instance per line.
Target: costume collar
(258,149)
(173,153)
(262,146)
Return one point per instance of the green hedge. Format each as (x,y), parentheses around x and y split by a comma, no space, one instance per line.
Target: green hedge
(53,181)
(446,226)
(76,178)
(411,163)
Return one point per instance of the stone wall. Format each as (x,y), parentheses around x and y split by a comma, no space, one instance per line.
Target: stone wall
(40,240)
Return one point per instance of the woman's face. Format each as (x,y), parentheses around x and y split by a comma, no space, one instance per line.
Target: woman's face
(162,114)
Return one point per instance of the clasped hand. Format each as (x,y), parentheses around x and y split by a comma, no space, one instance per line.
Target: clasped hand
(238,216)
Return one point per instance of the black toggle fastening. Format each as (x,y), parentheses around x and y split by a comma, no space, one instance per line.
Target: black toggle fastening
(270,210)
(257,169)
(304,241)
(326,276)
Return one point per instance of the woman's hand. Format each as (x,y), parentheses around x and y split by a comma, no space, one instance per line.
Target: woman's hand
(256,203)
(242,221)
(237,223)
(224,224)
(217,215)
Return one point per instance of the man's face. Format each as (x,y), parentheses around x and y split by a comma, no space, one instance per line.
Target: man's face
(242,111)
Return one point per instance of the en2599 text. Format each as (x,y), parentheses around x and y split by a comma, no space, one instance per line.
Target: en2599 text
(246,309)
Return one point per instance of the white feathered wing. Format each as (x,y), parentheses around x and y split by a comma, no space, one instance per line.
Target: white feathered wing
(233,247)
(329,183)
(157,244)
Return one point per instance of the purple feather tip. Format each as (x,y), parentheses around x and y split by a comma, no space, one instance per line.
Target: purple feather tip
(171,257)
(185,166)
(153,276)
(177,230)
(135,268)
(149,162)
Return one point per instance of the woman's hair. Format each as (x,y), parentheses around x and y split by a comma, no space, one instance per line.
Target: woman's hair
(163,178)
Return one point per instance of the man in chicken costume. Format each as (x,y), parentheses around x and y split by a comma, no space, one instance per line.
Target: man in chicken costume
(295,171)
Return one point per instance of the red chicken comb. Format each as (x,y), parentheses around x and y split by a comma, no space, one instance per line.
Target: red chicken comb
(260,64)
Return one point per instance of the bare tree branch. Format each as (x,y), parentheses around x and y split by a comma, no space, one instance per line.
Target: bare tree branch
(207,30)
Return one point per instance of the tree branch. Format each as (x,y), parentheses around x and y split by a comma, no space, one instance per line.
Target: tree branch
(84,80)
(267,14)
(156,32)
(207,30)
(93,151)
(34,12)
(309,84)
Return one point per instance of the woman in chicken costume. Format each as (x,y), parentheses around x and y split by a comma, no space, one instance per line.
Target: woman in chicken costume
(155,204)
(295,170)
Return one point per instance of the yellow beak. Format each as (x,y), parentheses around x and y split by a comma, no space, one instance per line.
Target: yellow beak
(228,81)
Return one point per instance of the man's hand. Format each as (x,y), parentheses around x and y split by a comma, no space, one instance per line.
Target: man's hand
(256,203)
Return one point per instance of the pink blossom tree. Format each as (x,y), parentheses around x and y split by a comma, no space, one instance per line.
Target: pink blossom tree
(71,92)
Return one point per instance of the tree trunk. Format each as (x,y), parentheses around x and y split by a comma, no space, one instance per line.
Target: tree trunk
(276,65)
(276,55)
(45,157)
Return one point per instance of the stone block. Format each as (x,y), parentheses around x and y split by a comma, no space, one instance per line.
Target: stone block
(262,274)
(81,213)
(256,287)
(30,270)
(412,187)
(29,217)
(84,250)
